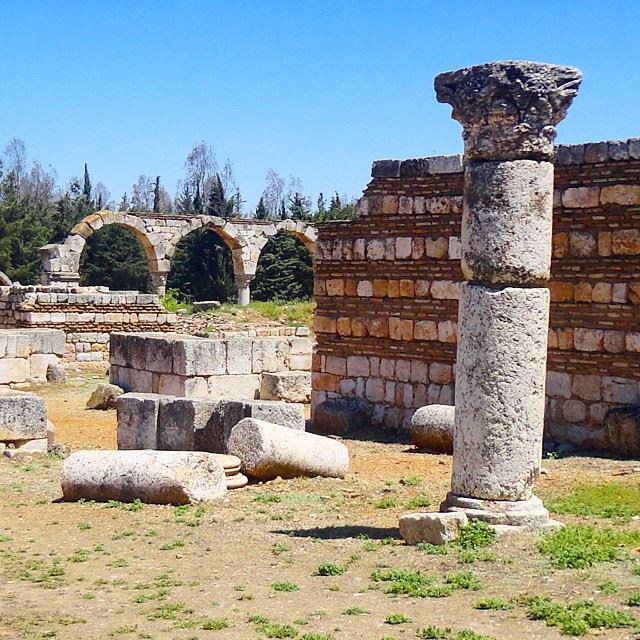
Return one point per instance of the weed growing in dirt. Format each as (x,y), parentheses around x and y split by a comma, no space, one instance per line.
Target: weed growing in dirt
(175,544)
(268,497)
(397,618)
(612,500)
(316,636)
(278,548)
(215,624)
(48,577)
(385,503)
(463,580)
(432,549)
(493,604)
(580,546)
(633,600)
(136,505)
(608,587)
(433,633)
(170,611)
(188,515)
(418,502)
(405,582)
(355,611)
(576,618)
(330,569)
(475,535)
(411,481)
(83,526)
(285,586)
(275,630)
(79,555)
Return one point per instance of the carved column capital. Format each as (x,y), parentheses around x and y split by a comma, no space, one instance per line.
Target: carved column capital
(509,110)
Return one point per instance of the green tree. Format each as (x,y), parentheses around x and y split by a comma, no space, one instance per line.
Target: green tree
(261,210)
(285,270)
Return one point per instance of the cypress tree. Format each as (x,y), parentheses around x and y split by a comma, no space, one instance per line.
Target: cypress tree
(156,196)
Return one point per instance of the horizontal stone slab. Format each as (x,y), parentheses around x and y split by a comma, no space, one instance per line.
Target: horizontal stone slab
(23,416)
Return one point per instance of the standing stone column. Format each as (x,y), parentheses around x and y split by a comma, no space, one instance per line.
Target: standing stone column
(244,293)
(159,282)
(508,111)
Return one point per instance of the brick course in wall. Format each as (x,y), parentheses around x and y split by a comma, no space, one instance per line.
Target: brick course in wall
(387,287)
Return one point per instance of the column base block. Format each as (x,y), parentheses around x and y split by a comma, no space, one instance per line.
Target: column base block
(505,515)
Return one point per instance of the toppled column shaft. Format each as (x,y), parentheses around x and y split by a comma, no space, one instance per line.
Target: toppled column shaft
(508,111)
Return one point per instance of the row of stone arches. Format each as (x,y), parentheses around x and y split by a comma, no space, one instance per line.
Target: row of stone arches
(159,236)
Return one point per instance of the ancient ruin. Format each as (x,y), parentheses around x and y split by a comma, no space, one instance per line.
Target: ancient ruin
(508,112)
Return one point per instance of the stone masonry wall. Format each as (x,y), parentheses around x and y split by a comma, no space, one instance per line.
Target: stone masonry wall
(25,354)
(87,315)
(183,365)
(387,287)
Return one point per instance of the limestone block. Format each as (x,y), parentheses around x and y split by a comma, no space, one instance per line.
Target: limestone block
(506,229)
(160,477)
(623,194)
(433,528)
(625,242)
(588,339)
(500,380)
(201,357)
(432,428)
(269,450)
(339,416)
(581,197)
(158,353)
(23,416)
(39,364)
(622,390)
(234,387)
(14,370)
(302,362)
(582,244)
(180,418)
(56,373)
(587,387)
(290,386)
(104,397)
(558,384)
(137,420)
(622,425)
(27,448)
(270,354)
(286,414)
(239,355)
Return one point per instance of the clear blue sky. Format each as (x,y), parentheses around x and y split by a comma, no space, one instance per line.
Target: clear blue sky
(315,89)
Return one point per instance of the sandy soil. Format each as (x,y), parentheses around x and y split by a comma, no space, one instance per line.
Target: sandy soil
(99,571)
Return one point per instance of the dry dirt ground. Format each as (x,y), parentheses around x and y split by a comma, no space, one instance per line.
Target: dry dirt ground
(85,570)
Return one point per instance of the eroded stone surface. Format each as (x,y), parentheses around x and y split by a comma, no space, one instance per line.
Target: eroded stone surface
(500,384)
(269,450)
(159,477)
(23,416)
(339,416)
(509,109)
(288,386)
(433,528)
(432,427)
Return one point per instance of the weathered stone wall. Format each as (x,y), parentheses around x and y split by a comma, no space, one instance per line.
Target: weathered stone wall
(182,365)
(25,354)
(387,288)
(87,315)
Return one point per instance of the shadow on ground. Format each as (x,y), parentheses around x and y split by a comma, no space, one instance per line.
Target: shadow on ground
(343,532)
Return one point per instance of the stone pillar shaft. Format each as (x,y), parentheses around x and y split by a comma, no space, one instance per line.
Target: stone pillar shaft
(159,282)
(244,292)
(508,111)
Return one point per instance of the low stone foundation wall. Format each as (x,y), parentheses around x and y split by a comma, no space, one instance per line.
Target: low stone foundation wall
(87,315)
(25,354)
(182,365)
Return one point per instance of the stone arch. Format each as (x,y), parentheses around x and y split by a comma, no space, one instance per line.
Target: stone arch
(76,240)
(305,232)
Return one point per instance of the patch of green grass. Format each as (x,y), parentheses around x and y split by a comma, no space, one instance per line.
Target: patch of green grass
(330,569)
(293,313)
(175,544)
(83,526)
(397,618)
(470,634)
(268,497)
(170,611)
(278,548)
(385,503)
(433,633)
(285,586)
(609,587)
(580,546)
(188,515)
(463,580)
(79,555)
(493,604)
(173,300)
(633,600)
(258,619)
(576,618)
(275,630)
(405,582)
(469,556)
(316,636)
(475,535)
(118,563)
(418,502)
(215,624)
(432,549)
(355,611)
(136,505)
(611,500)
(411,481)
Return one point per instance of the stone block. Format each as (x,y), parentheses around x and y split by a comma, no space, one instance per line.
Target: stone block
(432,428)
(581,197)
(234,387)
(56,373)
(340,416)
(433,528)
(27,448)
(104,397)
(588,339)
(138,420)
(180,418)
(622,194)
(239,355)
(159,477)
(39,364)
(582,244)
(620,390)
(199,357)
(269,450)
(625,242)
(425,330)
(270,354)
(289,386)
(14,370)
(622,425)
(506,229)
(587,387)
(558,384)
(23,416)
